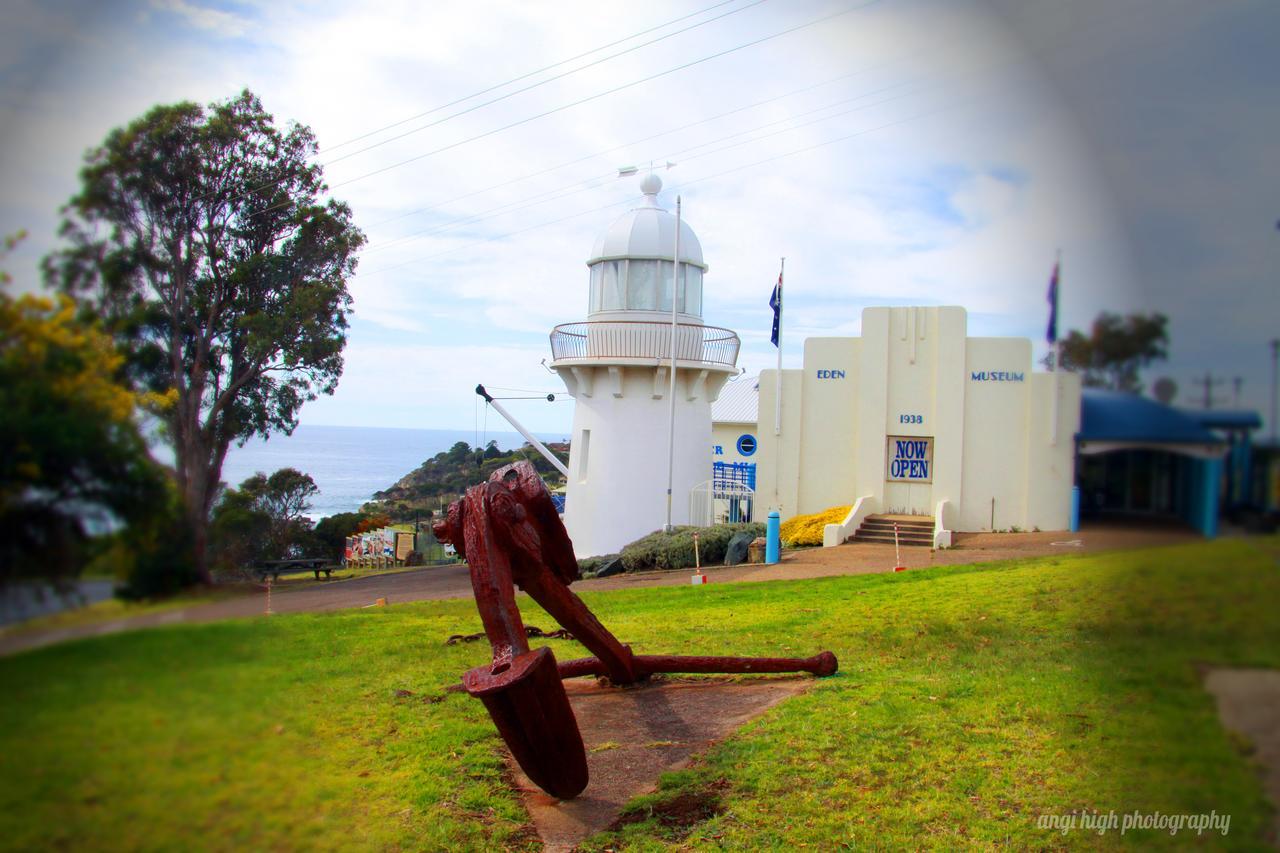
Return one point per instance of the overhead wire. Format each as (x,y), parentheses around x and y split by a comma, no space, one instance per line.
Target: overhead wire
(532,86)
(600,180)
(586,100)
(611,150)
(492,101)
(754,164)
(526,76)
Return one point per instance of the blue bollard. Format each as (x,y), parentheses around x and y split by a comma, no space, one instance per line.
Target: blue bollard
(1075,509)
(773,538)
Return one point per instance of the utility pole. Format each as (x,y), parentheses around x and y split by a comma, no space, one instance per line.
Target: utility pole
(1208,382)
(1275,376)
(1235,397)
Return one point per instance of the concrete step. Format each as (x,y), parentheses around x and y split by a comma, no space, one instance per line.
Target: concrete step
(888,528)
(881,539)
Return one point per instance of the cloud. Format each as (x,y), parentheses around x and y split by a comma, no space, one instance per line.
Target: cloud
(216,21)
(982,144)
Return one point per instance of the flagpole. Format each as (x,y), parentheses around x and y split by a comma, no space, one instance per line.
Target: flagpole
(777,396)
(671,430)
(1057,351)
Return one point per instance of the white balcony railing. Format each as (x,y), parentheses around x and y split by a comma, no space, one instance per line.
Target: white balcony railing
(627,339)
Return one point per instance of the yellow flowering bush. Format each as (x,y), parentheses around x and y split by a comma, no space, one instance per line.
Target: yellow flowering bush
(807,529)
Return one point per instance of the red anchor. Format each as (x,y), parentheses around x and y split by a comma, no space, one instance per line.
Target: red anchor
(508,531)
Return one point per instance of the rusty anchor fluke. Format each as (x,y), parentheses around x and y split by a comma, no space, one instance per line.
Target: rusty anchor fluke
(508,531)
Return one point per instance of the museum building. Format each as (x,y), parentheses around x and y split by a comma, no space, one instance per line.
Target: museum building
(917,418)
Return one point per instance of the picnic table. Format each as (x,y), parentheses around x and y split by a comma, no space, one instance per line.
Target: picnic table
(276,568)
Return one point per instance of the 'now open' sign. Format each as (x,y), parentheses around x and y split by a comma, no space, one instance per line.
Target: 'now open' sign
(910,459)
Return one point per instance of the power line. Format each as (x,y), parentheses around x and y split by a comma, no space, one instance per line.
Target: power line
(532,86)
(632,199)
(518,91)
(597,96)
(1094,25)
(526,76)
(597,181)
(605,151)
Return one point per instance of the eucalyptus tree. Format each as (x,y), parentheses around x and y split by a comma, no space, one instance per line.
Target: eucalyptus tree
(202,239)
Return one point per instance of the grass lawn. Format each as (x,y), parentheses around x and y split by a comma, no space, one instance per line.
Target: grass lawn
(970,701)
(111,609)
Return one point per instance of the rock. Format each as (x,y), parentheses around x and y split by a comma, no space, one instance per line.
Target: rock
(736,551)
(613,567)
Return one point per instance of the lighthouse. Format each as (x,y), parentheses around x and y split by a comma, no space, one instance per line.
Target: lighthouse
(616,366)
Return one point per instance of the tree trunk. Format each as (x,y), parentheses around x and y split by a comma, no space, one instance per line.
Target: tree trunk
(196,496)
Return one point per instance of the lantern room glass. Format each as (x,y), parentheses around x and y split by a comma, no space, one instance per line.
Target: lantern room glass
(643,284)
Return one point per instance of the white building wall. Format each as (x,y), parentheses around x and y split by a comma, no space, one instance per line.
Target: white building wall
(829,409)
(914,373)
(724,442)
(617,486)
(995,444)
(1051,455)
(950,399)
(872,407)
(778,471)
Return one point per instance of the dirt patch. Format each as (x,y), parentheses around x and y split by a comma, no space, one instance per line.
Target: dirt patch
(635,734)
(1249,704)
(681,812)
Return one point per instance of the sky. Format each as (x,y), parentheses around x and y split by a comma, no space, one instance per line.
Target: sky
(904,152)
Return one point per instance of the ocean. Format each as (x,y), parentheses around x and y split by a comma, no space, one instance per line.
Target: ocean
(349,464)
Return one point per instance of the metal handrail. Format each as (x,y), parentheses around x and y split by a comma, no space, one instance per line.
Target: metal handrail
(606,339)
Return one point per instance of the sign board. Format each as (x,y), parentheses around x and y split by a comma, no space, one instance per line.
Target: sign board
(909,459)
(404,545)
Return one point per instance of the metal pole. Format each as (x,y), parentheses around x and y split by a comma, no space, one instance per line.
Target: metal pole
(528,436)
(777,396)
(1275,376)
(1057,353)
(671,429)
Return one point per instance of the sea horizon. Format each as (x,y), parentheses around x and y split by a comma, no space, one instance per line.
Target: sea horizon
(350,463)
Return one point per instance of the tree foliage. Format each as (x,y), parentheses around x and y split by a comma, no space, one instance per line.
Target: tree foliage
(448,474)
(331,532)
(72,452)
(264,519)
(199,237)
(1116,349)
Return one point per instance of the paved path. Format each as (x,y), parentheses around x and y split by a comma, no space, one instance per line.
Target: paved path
(439,582)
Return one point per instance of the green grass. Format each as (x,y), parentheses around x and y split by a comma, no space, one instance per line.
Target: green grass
(970,701)
(112,609)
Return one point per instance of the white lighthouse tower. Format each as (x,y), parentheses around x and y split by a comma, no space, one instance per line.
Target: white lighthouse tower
(616,367)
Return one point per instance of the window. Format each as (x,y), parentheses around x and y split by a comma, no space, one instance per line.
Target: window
(613,285)
(642,285)
(597,287)
(691,289)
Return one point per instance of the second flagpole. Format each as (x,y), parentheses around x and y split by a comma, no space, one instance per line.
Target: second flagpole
(777,397)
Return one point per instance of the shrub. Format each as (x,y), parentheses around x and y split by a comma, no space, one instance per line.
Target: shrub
(674,550)
(807,529)
(159,559)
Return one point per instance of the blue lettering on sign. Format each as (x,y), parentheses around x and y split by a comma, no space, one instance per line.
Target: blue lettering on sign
(718,448)
(995,376)
(746,444)
(831,374)
(909,459)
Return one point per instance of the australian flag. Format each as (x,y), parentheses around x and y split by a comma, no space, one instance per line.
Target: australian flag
(775,302)
(1052,333)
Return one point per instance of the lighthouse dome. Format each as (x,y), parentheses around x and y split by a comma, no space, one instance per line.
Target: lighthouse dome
(647,231)
(631,267)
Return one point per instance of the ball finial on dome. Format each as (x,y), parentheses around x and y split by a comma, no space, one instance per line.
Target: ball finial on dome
(651,184)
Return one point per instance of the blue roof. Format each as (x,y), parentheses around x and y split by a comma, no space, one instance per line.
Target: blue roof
(1225,418)
(1116,416)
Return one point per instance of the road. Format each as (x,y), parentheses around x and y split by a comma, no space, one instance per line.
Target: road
(441,582)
